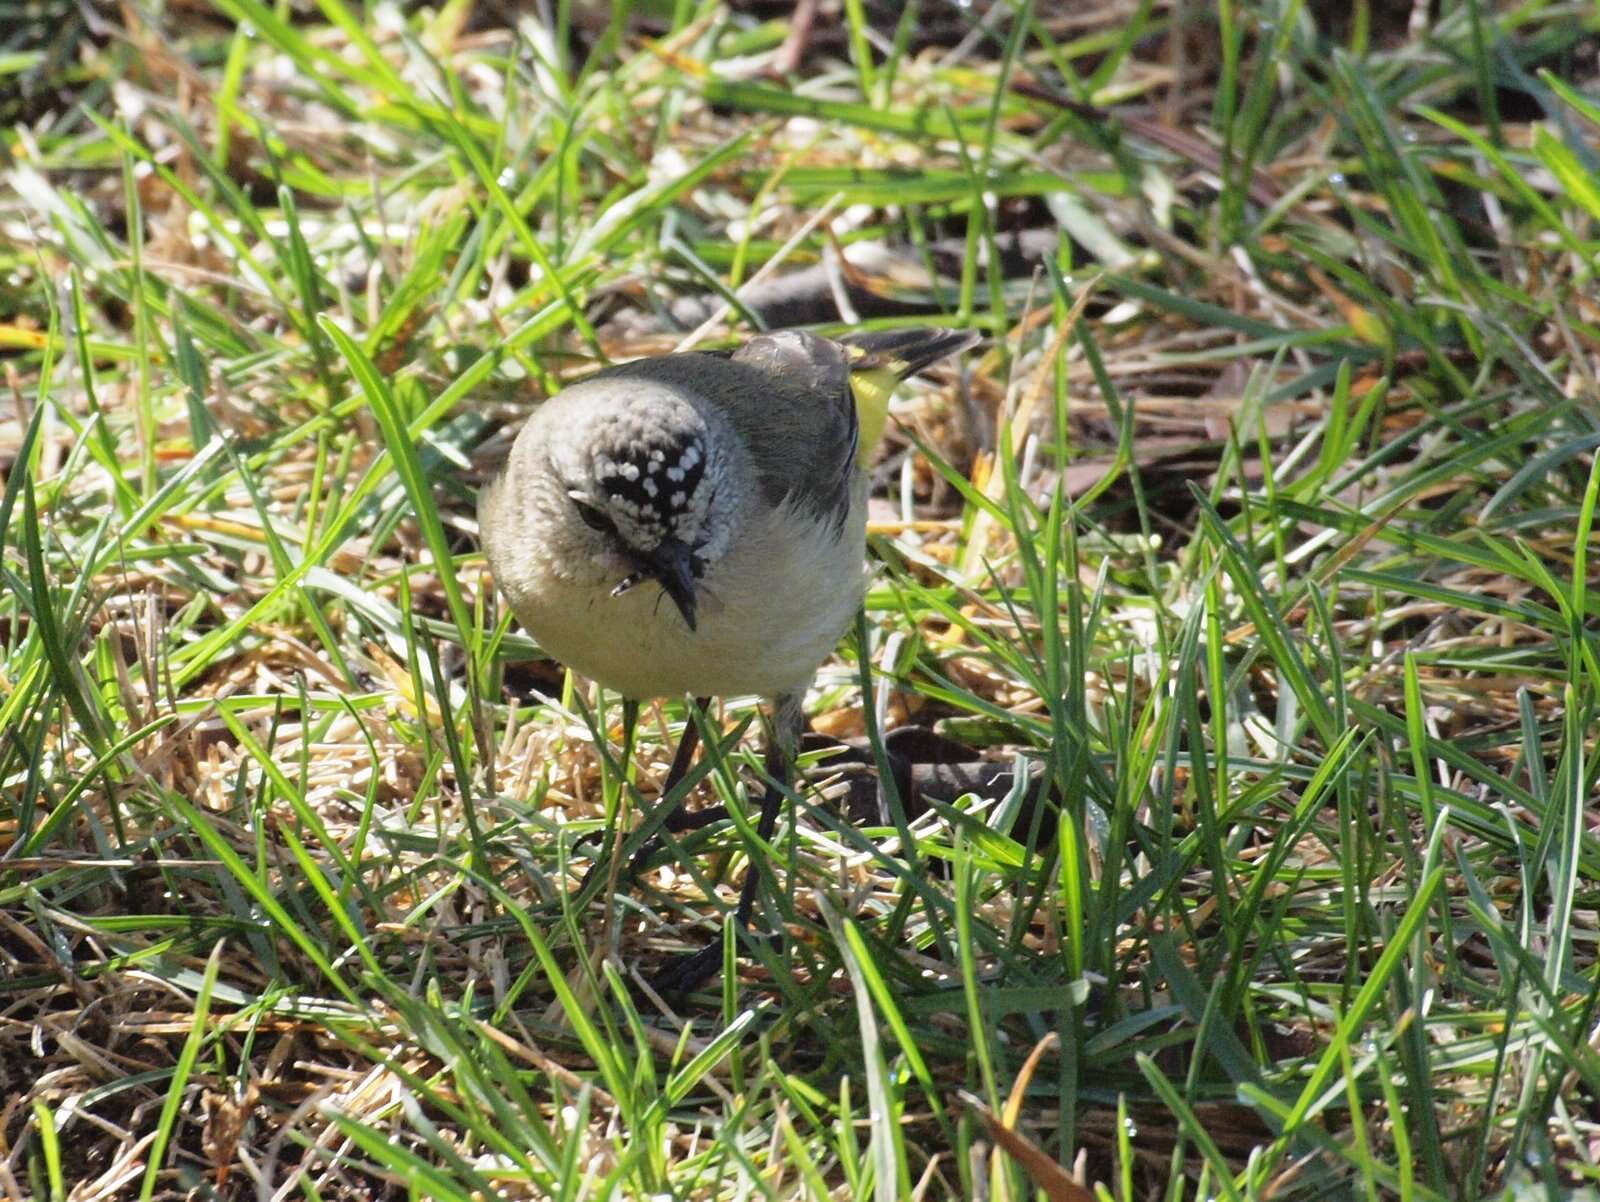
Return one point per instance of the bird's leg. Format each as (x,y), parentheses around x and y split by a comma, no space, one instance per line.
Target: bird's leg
(783,737)
(782,741)
(630,723)
(675,819)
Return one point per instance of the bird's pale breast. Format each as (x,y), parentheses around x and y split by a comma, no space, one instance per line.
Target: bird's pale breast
(771,610)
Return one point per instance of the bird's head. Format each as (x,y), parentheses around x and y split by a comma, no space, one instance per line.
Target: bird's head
(646,487)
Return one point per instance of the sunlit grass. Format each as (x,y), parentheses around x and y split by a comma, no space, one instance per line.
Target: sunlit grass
(1245,568)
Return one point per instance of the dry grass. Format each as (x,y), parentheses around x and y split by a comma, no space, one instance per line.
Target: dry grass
(1254,547)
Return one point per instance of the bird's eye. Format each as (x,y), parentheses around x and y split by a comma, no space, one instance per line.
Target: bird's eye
(593,517)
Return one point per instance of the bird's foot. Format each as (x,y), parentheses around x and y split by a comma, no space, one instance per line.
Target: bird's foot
(678,822)
(687,973)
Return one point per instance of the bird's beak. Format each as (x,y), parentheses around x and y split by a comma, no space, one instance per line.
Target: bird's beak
(671,565)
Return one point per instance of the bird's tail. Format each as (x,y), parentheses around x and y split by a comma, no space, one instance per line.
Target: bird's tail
(904,351)
(880,359)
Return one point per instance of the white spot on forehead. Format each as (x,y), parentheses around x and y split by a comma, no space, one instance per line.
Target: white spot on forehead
(607,468)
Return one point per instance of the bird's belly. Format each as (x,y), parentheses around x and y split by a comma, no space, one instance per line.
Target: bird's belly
(769,614)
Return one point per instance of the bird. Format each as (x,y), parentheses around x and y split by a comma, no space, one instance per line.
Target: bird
(694,524)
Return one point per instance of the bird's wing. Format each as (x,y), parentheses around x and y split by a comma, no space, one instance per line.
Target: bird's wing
(787,396)
(880,359)
(811,410)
